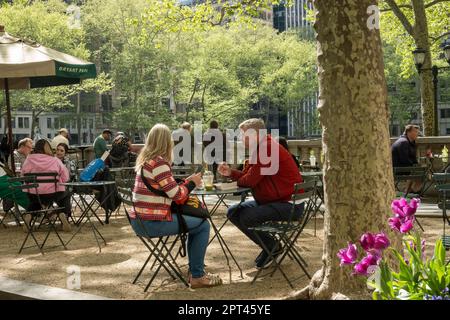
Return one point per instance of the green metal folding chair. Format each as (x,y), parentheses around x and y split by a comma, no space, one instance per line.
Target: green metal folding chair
(288,232)
(160,248)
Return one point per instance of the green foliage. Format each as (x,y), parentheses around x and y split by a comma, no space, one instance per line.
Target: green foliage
(417,278)
(394,33)
(155,51)
(46,22)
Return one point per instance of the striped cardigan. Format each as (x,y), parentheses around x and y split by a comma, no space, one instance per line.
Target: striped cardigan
(150,206)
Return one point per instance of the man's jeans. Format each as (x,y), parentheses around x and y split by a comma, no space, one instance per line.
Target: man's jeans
(198,237)
(250,214)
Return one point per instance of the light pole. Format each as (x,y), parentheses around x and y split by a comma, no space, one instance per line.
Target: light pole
(419,57)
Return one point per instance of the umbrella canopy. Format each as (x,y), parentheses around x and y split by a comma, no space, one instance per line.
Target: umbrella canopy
(25,64)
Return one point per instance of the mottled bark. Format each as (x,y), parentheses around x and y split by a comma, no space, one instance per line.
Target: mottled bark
(354,116)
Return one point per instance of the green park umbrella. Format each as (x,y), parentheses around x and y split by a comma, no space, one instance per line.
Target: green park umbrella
(25,65)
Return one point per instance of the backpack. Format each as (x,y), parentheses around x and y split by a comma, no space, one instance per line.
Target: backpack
(119,147)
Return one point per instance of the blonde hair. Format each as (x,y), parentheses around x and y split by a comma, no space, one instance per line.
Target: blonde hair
(159,143)
(256,124)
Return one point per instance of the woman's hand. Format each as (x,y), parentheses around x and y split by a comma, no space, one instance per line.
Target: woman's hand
(196,178)
(224,169)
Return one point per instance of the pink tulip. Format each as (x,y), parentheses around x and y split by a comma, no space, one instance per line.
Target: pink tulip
(414,203)
(396,208)
(409,211)
(367,241)
(348,255)
(407,226)
(381,241)
(395,223)
(366,262)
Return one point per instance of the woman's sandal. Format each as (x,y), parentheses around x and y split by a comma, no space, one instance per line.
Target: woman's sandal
(208,280)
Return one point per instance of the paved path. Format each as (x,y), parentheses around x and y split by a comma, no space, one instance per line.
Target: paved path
(14,290)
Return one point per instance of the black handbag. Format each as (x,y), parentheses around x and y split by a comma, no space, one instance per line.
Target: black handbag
(192,207)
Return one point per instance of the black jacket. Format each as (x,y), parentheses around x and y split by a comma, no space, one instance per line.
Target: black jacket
(404,152)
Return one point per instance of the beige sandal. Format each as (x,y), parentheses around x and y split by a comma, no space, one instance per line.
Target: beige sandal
(207,281)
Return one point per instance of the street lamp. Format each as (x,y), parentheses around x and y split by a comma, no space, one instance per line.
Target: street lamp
(419,58)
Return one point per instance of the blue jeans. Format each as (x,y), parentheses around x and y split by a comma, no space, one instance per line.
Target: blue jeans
(250,214)
(198,237)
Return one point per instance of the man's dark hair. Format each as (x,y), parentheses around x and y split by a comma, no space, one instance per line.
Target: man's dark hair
(214,124)
(409,127)
(283,142)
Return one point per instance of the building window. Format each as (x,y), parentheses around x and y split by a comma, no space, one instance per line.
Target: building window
(91,123)
(49,123)
(24,122)
(445,113)
(84,123)
(447,130)
(56,122)
(49,135)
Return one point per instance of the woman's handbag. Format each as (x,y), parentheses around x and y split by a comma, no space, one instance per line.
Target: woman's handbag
(192,207)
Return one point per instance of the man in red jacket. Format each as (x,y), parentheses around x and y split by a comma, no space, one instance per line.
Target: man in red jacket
(271,174)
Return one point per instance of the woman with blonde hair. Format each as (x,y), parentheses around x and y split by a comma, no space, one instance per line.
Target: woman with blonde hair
(153,168)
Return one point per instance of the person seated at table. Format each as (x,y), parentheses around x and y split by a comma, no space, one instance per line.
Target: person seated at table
(272,191)
(283,142)
(62,153)
(120,149)
(42,160)
(62,137)
(155,211)
(404,154)
(6,194)
(100,145)
(24,148)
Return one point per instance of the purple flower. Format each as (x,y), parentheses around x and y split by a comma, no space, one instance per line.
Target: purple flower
(366,262)
(408,211)
(381,241)
(367,241)
(348,255)
(395,223)
(407,226)
(396,208)
(414,203)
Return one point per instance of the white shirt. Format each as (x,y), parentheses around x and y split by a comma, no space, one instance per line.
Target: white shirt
(59,139)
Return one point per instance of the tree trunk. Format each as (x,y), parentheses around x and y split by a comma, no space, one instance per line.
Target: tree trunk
(421,39)
(354,115)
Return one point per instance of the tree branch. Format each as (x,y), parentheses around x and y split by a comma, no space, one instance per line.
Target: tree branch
(406,6)
(401,16)
(435,39)
(432,3)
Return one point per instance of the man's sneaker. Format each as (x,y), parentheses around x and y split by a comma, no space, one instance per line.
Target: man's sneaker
(262,255)
(265,262)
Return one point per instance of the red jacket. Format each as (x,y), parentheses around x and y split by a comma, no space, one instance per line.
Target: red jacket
(270,188)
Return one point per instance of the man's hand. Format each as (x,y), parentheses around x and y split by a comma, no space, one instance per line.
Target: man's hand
(224,169)
(196,178)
